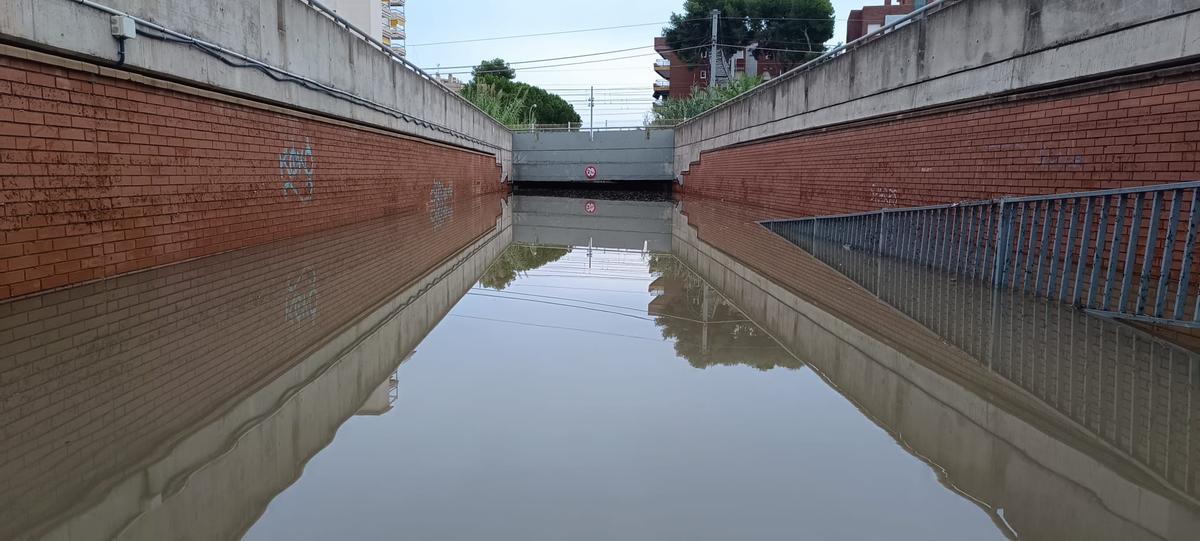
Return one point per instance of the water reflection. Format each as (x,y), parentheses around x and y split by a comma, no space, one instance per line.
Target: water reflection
(715,383)
(707,328)
(177,402)
(519,259)
(1120,384)
(1058,425)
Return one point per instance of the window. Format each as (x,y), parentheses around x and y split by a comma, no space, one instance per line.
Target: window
(703,75)
(704,53)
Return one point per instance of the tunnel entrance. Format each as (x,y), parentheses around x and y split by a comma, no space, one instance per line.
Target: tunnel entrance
(600,156)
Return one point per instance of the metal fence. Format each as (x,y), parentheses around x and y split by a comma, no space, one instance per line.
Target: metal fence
(1123,253)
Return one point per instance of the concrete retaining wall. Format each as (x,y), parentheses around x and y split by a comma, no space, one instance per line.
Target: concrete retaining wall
(288,34)
(622,155)
(962,50)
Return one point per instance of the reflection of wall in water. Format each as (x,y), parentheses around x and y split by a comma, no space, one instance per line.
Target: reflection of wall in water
(111,372)
(216,489)
(1122,385)
(1008,452)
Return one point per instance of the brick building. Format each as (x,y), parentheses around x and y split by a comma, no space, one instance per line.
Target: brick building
(865,20)
(682,78)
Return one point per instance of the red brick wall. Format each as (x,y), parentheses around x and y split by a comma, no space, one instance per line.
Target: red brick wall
(102,176)
(1132,134)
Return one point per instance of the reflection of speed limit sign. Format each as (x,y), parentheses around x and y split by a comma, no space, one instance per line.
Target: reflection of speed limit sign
(590,172)
(589,207)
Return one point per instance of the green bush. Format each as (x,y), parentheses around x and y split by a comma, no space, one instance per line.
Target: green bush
(701,100)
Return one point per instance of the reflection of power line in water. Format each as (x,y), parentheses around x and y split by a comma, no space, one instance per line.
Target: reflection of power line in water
(603,276)
(589,331)
(625,291)
(643,318)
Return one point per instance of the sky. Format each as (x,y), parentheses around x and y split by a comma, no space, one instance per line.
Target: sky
(623,86)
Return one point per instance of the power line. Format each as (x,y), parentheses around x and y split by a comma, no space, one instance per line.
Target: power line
(769,49)
(549,59)
(558,33)
(575,329)
(783,19)
(573,63)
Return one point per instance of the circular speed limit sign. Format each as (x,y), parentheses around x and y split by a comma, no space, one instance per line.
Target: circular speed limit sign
(590,172)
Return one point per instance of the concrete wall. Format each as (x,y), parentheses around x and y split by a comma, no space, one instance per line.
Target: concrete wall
(1029,467)
(98,381)
(963,53)
(617,155)
(288,34)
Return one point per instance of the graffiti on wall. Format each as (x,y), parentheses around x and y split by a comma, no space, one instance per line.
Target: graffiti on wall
(440,205)
(300,303)
(297,166)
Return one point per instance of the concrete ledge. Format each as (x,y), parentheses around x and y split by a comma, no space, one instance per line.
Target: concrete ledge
(290,35)
(961,51)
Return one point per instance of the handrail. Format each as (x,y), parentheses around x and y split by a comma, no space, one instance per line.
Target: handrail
(388,51)
(932,7)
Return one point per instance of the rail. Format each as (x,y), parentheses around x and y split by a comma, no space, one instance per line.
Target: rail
(1125,253)
(580,127)
(918,14)
(276,72)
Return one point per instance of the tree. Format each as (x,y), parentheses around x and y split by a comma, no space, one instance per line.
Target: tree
(495,67)
(797,29)
(515,103)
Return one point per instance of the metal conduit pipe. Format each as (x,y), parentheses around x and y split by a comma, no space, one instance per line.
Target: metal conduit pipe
(308,81)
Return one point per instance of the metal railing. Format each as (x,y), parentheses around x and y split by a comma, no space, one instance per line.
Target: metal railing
(578,126)
(1124,253)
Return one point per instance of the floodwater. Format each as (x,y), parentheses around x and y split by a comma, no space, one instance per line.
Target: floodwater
(583,367)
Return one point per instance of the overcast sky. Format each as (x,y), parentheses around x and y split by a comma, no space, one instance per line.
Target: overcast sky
(629,79)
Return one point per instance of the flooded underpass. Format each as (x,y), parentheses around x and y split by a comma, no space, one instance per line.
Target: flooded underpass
(583,366)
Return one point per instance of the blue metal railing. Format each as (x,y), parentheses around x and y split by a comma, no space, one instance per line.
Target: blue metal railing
(1124,253)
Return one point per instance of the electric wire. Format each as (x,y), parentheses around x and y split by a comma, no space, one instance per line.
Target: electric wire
(556,33)
(529,68)
(556,327)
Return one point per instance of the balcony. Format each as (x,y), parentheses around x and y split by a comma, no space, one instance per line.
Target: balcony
(392,33)
(663,67)
(662,89)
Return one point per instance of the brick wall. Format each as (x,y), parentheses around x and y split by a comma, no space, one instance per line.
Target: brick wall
(98,378)
(102,176)
(1118,135)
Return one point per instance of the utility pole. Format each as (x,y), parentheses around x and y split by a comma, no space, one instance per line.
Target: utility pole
(592,114)
(712,54)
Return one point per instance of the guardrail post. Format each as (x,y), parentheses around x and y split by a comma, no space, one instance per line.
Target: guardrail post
(1004,239)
